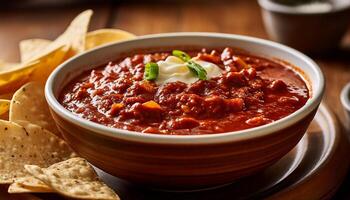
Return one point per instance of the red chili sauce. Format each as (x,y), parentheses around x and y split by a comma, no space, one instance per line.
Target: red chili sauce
(250,92)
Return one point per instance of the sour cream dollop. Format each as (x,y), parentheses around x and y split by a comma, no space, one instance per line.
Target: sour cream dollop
(173,69)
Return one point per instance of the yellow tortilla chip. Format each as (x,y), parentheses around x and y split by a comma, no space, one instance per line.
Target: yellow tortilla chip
(28,144)
(71,42)
(5,66)
(31,48)
(73,38)
(29,184)
(4,106)
(6,96)
(73,178)
(43,69)
(75,34)
(29,104)
(16,188)
(105,36)
(11,78)
(6,196)
(4,109)
(48,56)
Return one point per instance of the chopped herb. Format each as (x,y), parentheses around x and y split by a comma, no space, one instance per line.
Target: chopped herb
(182,55)
(151,71)
(197,69)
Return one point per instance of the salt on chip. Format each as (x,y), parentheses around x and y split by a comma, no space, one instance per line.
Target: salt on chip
(105,36)
(30,144)
(29,104)
(73,178)
(31,48)
(52,148)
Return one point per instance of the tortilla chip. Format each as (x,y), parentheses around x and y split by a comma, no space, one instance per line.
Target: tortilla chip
(29,184)
(4,109)
(32,182)
(5,66)
(70,43)
(105,36)
(6,96)
(4,106)
(30,144)
(75,34)
(19,188)
(47,64)
(6,196)
(32,48)
(29,104)
(52,148)
(73,38)
(49,55)
(12,78)
(73,178)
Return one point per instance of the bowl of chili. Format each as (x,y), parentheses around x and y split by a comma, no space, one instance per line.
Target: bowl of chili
(185,110)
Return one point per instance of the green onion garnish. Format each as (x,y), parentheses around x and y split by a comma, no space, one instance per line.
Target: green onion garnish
(151,71)
(197,69)
(182,55)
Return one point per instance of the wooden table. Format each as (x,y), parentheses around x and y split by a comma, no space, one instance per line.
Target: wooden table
(237,17)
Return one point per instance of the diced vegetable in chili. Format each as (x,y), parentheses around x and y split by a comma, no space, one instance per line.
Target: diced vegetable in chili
(151,71)
(249,91)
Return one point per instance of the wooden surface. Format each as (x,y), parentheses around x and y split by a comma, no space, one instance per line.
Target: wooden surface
(236,16)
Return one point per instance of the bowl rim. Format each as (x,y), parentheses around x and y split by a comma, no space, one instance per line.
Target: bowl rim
(344,97)
(280,8)
(246,134)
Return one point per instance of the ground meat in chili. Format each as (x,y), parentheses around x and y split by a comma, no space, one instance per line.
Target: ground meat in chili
(251,91)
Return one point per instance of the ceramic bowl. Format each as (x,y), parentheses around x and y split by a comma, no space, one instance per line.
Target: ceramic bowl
(174,161)
(311,32)
(345,100)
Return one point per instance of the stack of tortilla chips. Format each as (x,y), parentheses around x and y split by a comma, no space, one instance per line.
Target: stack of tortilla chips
(33,156)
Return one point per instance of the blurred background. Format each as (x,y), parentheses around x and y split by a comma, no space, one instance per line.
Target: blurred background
(47,18)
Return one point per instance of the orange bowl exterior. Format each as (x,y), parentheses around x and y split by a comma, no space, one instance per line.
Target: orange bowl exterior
(181,166)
